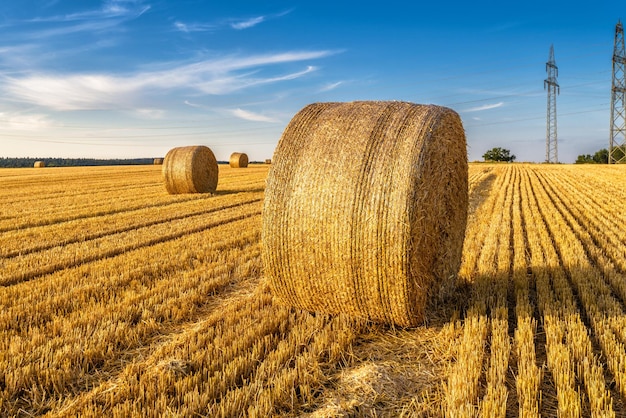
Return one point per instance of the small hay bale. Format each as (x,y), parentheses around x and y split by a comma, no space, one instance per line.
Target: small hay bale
(191,169)
(268,161)
(238,160)
(365,209)
(39,164)
(158,161)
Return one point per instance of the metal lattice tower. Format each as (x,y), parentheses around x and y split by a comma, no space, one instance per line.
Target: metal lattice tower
(617,144)
(553,88)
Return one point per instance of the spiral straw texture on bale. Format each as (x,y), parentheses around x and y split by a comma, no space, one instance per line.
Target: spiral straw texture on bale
(39,164)
(191,169)
(238,160)
(365,209)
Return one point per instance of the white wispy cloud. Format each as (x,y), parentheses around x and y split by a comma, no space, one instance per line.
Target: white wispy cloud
(110,15)
(190,104)
(24,122)
(330,86)
(110,9)
(30,44)
(152,114)
(124,8)
(194,27)
(233,23)
(25,55)
(72,92)
(28,56)
(107,91)
(248,23)
(485,107)
(87,26)
(251,116)
(236,82)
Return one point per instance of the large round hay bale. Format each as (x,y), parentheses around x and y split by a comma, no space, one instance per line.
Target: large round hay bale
(191,169)
(365,209)
(39,164)
(158,161)
(238,160)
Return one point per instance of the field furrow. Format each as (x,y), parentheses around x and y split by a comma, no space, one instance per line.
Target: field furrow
(21,242)
(529,374)
(121,198)
(565,254)
(480,269)
(72,349)
(33,265)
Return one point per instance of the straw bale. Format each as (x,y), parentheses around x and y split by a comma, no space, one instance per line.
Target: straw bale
(191,169)
(39,164)
(238,160)
(158,161)
(268,161)
(365,209)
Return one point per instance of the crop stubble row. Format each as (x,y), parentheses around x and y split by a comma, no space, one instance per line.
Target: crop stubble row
(558,238)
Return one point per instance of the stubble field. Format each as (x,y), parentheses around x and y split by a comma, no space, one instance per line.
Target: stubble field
(118,299)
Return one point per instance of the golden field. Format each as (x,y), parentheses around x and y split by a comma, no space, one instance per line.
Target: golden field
(118,299)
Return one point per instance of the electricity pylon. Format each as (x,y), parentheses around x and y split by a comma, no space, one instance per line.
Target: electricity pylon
(617,142)
(553,88)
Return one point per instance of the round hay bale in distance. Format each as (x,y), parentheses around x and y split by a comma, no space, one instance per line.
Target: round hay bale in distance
(238,160)
(365,209)
(158,161)
(268,161)
(39,164)
(191,169)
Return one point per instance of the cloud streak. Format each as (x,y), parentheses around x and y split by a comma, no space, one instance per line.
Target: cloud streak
(24,122)
(233,23)
(245,24)
(110,9)
(485,107)
(330,86)
(194,27)
(106,91)
(110,16)
(254,117)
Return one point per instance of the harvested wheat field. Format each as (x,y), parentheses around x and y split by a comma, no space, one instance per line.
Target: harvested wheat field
(121,300)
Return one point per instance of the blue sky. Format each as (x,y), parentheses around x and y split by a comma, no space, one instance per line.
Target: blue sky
(135,78)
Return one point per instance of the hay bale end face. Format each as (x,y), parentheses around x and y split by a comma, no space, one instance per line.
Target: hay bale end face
(238,160)
(365,209)
(191,169)
(39,164)
(158,161)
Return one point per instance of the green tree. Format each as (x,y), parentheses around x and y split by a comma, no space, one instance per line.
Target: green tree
(602,156)
(584,159)
(599,157)
(499,154)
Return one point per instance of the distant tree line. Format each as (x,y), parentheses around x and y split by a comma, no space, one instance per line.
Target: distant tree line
(600,157)
(7,162)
